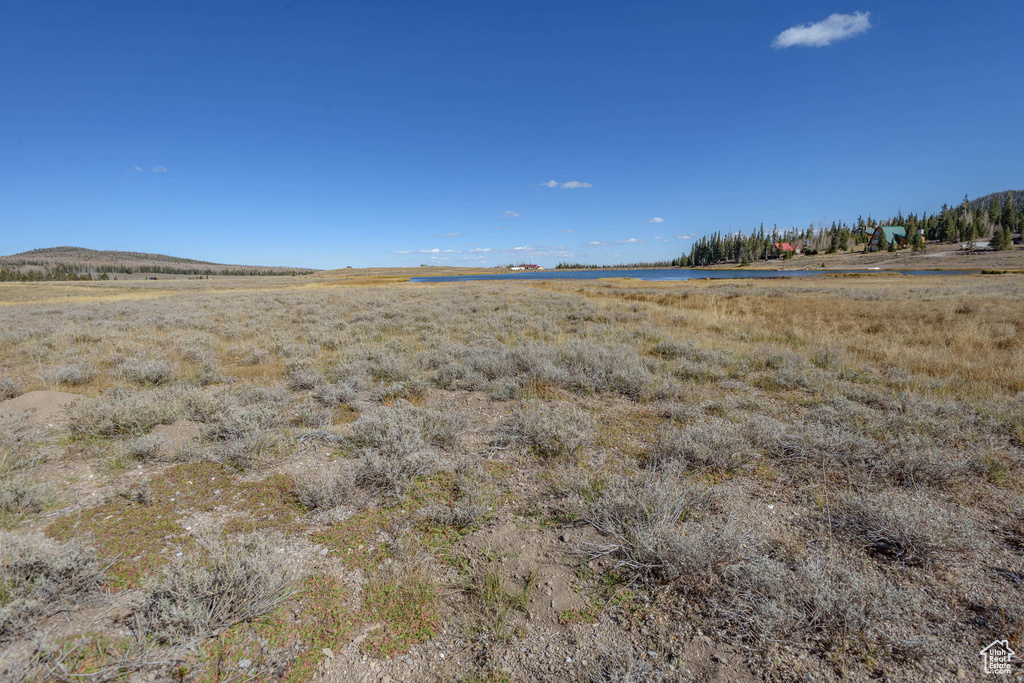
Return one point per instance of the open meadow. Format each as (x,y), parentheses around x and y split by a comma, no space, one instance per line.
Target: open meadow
(362,479)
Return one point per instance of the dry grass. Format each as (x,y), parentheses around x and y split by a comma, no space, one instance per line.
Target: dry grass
(823,473)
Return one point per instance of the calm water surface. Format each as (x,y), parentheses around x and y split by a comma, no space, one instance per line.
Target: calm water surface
(665,274)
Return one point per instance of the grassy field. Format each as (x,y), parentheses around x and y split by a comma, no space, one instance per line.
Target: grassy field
(348,477)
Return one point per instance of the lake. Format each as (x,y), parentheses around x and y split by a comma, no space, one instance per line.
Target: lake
(665,274)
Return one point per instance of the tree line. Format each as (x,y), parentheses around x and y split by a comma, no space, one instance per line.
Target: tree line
(994,217)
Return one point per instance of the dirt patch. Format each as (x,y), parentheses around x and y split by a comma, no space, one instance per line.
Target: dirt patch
(176,434)
(551,556)
(37,407)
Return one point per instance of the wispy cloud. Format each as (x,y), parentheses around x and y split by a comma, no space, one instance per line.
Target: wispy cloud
(499,227)
(570,185)
(510,214)
(404,251)
(656,219)
(159,169)
(819,34)
(684,237)
(568,230)
(631,240)
(452,234)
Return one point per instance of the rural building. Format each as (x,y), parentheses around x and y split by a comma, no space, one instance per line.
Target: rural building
(785,246)
(893,234)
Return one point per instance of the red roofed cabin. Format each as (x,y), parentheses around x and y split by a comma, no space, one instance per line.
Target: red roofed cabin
(785,246)
(531,266)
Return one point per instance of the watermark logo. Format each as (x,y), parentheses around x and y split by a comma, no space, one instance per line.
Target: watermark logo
(997,658)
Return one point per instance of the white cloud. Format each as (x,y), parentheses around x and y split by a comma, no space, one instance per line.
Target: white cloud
(499,227)
(404,251)
(656,220)
(571,185)
(159,169)
(596,244)
(568,230)
(837,27)
(631,240)
(684,237)
(452,234)
(510,214)
(137,168)
(430,251)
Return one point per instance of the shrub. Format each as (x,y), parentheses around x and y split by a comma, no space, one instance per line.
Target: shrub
(670,349)
(39,575)
(643,518)
(312,414)
(714,443)
(325,488)
(72,374)
(248,452)
(202,596)
(903,529)
(392,473)
(146,448)
(122,413)
(340,393)
(152,372)
(19,496)
(559,430)
(9,388)
(302,377)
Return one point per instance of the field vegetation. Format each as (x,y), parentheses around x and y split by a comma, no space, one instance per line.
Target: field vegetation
(296,479)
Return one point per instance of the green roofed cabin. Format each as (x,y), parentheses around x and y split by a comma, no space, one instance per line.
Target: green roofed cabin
(893,233)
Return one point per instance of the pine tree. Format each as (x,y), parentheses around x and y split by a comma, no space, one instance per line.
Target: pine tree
(996,243)
(883,243)
(995,211)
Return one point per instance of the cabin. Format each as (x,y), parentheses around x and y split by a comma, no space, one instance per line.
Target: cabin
(532,266)
(893,234)
(785,246)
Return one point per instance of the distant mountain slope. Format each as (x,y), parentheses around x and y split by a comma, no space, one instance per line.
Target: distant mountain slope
(1016,196)
(78,260)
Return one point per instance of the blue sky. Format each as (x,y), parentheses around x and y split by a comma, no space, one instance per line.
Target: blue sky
(333,134)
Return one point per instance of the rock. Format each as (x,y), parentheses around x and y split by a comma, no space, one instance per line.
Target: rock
(244,664)
(328,653)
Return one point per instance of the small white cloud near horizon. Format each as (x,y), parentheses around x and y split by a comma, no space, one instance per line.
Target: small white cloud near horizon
(510,214)
(822,33)
(571,185)
(159,169)
(684,237)
(656,219)
(596,244)
(403,251)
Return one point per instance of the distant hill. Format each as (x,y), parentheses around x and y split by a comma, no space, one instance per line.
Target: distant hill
(1016,196)
(57,261)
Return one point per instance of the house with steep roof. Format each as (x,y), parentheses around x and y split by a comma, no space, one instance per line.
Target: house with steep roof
(894,234)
